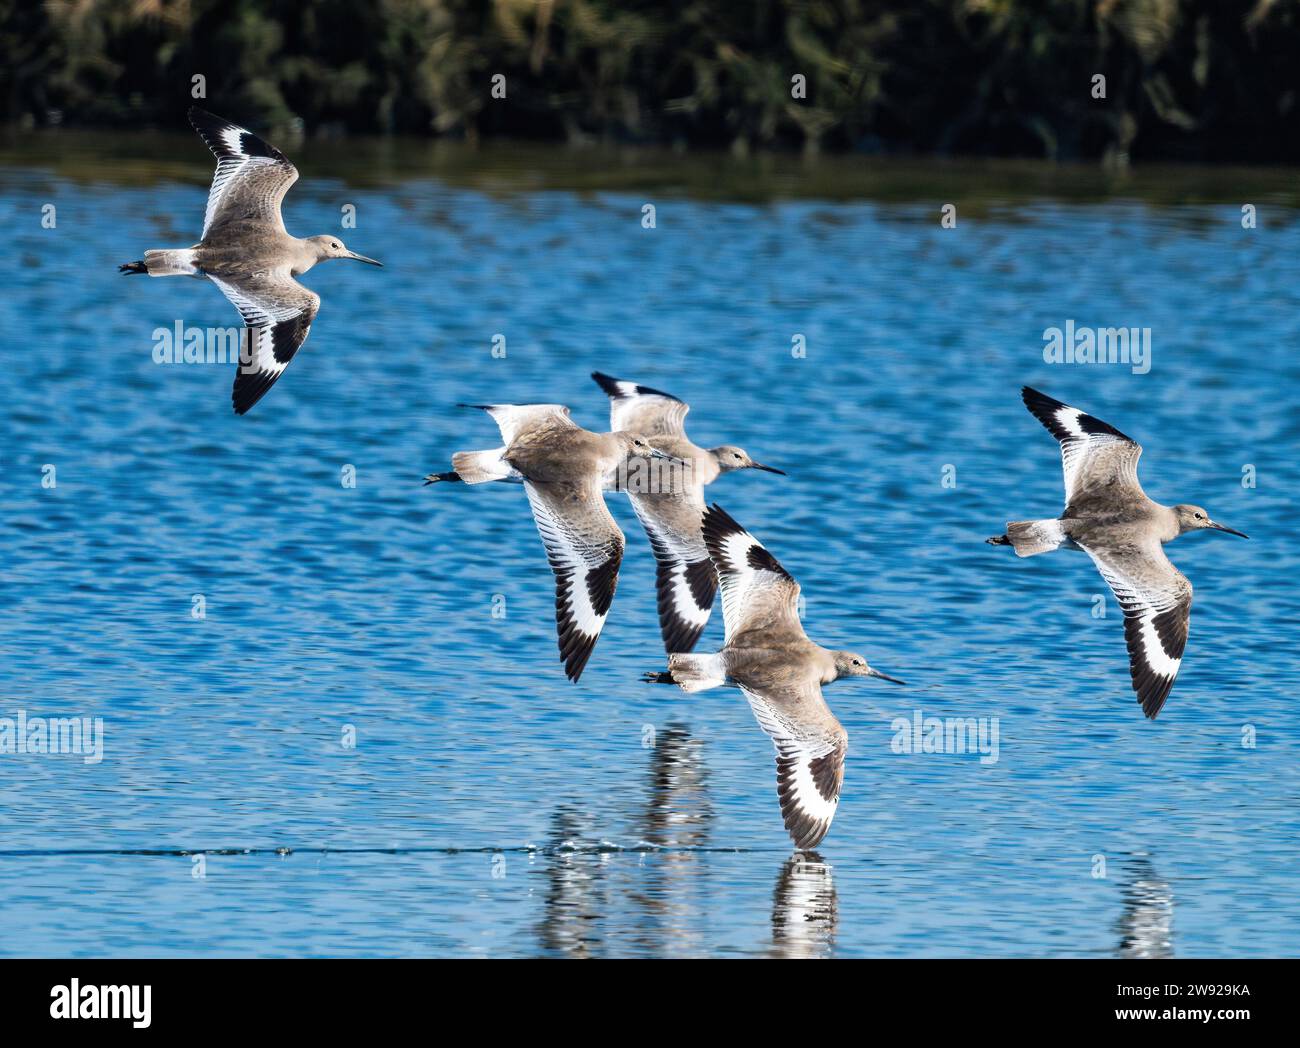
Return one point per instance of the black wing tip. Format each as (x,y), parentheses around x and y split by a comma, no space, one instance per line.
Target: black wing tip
(611,386)
(1041,406)
(1151,688)
(1028,393)
(1153,699)
(249,391)
(206,123)
(679,637)
(127,268)
(680,634)
(1045,408)
(719,523)
(807,839)
(804,830)
(209,126)
(575,661)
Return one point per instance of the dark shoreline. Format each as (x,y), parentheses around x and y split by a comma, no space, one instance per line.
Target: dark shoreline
(1189,81)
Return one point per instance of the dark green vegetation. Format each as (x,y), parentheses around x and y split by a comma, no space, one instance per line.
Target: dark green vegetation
(1185,79)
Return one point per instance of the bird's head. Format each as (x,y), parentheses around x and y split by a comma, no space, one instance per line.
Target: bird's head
(851,664)
(1194,518)
(731,458)
(332,247)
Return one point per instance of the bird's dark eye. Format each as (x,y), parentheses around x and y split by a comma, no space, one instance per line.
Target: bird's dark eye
(1199,517)
(857,662)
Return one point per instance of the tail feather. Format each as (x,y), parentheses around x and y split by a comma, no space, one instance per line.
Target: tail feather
(697,672)
(165,262)
(479,467)
(1030,537)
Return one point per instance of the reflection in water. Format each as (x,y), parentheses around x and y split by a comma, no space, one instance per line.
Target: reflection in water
(805,914)
(1146,926)
(678,812)
(662,899)
(575,896)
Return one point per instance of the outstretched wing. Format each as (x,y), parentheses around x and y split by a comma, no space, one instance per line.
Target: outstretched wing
(685,581)
(1157,603)
(757,593)
(585,548)
(1095,456)
(810,747)
(252,176)
(278,313)
(514,419)
(640,409)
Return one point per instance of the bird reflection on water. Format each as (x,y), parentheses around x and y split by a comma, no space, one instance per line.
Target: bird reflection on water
(805,909)
(659,893)
(1146,927)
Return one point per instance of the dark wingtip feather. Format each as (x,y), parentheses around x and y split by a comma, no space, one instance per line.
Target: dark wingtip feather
(611,386)
(719,523)
(1045,408)
(209,127)
(1042,407)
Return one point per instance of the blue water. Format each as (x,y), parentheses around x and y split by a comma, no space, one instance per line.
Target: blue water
(488,806)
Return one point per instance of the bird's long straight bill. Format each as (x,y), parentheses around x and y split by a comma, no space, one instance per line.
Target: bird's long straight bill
(885,676)
(362,258)
(1230,531)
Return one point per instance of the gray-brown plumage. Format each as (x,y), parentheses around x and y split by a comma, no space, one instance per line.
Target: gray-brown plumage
(245,250)
(564,470)
(781,673)
(1110,517)
(671,505)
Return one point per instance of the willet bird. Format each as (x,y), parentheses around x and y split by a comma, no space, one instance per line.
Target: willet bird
(564,470)
(670,513)
(1110,518)
(780,671)
(245,250)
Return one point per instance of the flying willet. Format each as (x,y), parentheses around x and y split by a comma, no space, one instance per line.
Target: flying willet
(564,470)
(670,514)
(781,672)
(1110,518)
(246,252)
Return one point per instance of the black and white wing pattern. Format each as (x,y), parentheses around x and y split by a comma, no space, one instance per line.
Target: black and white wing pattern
(810,747)
(640,409)
(585,548)
(1157,603)
(252,176)
(1094,454)
(758,595)
(278,313)
(685,580)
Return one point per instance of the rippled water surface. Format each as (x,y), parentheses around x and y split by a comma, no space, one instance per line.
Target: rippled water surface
(490,807)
